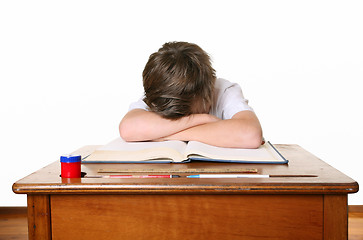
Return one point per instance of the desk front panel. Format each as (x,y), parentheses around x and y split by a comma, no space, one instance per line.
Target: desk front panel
(187,217)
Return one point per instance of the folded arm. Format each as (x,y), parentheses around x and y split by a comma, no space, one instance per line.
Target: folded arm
(141,125)
(242,131)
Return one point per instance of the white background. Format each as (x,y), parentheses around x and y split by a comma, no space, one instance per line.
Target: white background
(69,70)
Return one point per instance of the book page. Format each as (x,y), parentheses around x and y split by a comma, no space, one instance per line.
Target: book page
(120,150)
(264,153)
(121,145)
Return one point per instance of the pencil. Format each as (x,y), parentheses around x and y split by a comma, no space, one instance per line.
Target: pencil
(132,176)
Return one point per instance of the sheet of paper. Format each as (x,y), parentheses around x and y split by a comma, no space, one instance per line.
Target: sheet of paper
(264,152)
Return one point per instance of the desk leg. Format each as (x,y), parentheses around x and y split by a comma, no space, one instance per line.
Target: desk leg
(335,217)
(39,217)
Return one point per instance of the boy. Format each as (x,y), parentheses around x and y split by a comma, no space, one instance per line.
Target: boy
(185,101)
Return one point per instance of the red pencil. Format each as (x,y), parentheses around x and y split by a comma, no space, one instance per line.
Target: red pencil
(133,176)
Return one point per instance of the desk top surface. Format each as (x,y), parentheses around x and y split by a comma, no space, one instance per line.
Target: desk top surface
(326,180)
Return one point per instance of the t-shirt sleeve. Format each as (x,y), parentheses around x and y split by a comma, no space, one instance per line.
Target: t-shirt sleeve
(230,100)
(140,104)
(234,102)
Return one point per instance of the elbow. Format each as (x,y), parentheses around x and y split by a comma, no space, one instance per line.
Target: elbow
(133,130)
(124,132)
(127,132)
(252,139)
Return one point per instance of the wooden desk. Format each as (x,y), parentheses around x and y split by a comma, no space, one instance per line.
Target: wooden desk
(184,208)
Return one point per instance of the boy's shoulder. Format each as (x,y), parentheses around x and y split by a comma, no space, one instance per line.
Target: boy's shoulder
(222,96)
(221,82)
(221,85)
(228,99)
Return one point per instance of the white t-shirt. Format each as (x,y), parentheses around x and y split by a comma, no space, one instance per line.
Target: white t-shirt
(229,100)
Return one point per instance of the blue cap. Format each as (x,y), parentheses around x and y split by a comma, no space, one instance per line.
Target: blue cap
(70,158)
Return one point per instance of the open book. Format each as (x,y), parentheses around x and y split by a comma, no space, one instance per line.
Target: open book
(119,151)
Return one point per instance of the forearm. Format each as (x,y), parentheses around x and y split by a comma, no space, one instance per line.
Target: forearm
(141,125)
(237,133)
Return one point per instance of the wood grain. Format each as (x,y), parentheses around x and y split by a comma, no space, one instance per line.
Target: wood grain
(249,208)
(328,180)
(335,217)
(355,226)
(39,217)
(189,216)
(13,223)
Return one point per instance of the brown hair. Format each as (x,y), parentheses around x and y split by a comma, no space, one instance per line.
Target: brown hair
(179,80)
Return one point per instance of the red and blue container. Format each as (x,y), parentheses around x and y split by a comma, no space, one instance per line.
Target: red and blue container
(70,166)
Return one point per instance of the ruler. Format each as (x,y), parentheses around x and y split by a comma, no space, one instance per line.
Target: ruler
(186,170)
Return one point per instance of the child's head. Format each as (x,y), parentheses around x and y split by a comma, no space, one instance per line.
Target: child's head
(179,80)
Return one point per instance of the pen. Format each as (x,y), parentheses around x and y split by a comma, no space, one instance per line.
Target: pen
(228,176)
(134,176)
(248,176)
